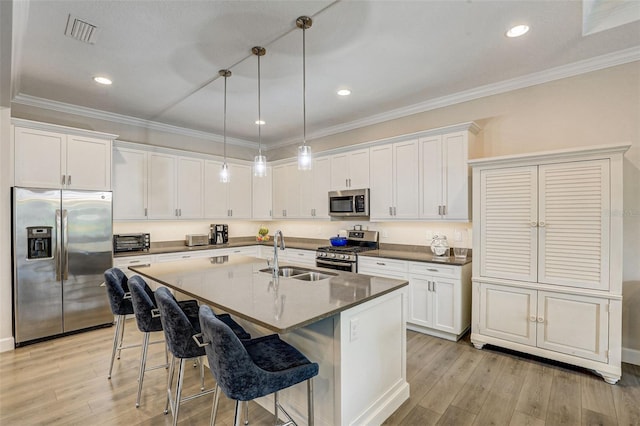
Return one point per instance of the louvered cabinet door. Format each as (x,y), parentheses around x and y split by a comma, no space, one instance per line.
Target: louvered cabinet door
(573,223)
(508,223)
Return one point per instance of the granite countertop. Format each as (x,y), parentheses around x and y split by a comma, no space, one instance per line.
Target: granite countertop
(390,251)
(239,287)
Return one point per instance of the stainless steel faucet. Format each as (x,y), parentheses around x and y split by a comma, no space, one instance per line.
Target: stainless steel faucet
(276,268)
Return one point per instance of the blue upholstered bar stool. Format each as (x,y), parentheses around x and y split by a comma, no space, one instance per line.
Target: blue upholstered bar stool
(250,369)
(120,301)
(179,329)
(148,321)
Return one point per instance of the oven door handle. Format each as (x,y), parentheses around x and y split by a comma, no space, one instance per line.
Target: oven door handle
(328,262)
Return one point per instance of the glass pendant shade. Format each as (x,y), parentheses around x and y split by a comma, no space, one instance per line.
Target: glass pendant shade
(260,166)
(304,157)
(224,173)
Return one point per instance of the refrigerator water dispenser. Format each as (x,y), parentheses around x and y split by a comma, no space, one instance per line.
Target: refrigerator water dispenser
(38,242)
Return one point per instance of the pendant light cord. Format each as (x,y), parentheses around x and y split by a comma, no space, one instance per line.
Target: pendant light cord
(304,88)
(259,113)
(225,119)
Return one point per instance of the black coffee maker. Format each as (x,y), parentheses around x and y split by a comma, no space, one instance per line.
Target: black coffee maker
(219,234)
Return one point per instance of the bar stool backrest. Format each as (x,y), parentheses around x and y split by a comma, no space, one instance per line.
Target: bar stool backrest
(178,330)
(144,304)
(116,283)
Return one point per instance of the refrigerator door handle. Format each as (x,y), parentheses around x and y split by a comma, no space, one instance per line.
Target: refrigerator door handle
(65,246)
(58,242)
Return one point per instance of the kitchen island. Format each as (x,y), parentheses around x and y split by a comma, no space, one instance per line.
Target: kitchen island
(352,325)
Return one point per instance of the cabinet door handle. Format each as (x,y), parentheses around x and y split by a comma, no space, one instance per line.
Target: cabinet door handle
(444,210)
(63,179)
(532,318)
(428,285)
(542,224)
(534,223)
(349,182)
(540,319)
(145,212)
(395,213)
(68,179)
(180,212)
(176,212)
(390,211)
(433,286)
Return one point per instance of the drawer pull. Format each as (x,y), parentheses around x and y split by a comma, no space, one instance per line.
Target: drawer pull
(432,270)
(381,263)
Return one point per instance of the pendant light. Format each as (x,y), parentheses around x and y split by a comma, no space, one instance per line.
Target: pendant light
(224,172)
(259,161)
(304,151)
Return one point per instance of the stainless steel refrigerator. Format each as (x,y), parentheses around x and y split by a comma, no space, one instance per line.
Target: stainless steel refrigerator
(62,244)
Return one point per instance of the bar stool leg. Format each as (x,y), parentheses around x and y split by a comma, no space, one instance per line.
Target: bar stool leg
(143,365)
(172,367)
(201,374)
(275,408)
(246,412)
(310,402)
(236,418)
(122,323)
(116,336)
(178,392)
(214,411)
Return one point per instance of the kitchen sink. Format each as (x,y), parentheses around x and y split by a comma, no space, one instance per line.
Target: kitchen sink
(313,276)
(302,274)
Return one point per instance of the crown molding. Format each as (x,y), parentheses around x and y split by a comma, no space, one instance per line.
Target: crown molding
(66,108)
(581,67)
(620,57)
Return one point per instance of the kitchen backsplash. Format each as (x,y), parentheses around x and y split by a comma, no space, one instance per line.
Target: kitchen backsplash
(414,233)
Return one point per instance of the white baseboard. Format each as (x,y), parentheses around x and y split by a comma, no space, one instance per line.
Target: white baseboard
(631,356)
(7,344)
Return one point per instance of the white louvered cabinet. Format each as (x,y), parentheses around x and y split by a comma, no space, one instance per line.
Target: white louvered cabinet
(547,270)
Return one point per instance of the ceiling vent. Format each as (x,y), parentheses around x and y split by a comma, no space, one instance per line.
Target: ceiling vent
(81,30)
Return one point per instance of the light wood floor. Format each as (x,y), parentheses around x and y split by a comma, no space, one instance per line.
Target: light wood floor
(64,382)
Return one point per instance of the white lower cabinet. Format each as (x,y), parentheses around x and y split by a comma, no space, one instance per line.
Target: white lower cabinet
(440,299)
(564,323)
(299,256)
(382,267)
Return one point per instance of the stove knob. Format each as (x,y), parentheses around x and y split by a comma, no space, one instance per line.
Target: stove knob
(322,254)
(332,254)
(345,256)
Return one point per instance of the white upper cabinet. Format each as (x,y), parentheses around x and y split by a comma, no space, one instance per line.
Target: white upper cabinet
(49,156)
(190,187)
(394,189)
(314,187)
(547,223)
(162,195)
(286,189)
(350,170)
(129,184)
(262,192)
(444,176)
(231,199)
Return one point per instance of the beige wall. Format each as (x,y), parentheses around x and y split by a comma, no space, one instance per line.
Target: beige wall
(600,107)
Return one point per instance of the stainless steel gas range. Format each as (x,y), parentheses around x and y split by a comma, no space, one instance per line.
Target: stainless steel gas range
(345,258)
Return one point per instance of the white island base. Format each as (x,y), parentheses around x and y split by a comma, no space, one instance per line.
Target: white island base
(362,356)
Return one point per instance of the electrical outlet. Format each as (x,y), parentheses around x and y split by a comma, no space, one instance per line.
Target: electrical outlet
(354,329)
(429,235)
(457,235)
(385,234)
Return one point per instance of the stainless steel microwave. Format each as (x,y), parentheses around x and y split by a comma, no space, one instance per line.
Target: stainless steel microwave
(349,203)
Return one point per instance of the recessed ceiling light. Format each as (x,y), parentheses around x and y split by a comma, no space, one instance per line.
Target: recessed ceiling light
(517,31)
(260,122)
(102,80)
(344,92)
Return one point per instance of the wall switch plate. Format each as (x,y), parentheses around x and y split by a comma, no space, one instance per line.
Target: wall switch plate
(457,235)
(385,234)
(429,235)
(354,329)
